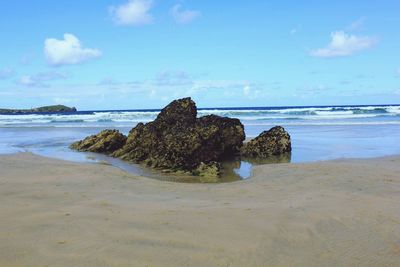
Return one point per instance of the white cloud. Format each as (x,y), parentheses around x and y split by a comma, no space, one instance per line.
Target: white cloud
(38,80)
(343,44)
(183,16)
(6,73)
(134,12)
(68,51)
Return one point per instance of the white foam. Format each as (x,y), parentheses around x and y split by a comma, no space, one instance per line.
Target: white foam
(322,114)
(341,123)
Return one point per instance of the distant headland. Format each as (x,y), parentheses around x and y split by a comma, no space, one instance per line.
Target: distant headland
(45,109)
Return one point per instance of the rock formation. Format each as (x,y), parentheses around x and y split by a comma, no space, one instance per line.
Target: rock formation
(45,109)
(179,141)
(176,140)
(106,142)
(274,142)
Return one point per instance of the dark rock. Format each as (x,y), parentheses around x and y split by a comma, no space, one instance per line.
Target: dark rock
(230,134)
(55,108)
(177,140)
(45,109)
(274,142)
(106,141)
(180,112)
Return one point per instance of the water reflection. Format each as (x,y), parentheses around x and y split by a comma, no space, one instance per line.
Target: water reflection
(284,158)
(233,170)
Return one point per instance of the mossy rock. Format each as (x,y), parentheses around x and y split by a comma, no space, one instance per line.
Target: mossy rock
(208,172)
(178,140)
(273,142)
(106,142)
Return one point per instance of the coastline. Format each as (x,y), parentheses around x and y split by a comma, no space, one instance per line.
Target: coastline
(331,213)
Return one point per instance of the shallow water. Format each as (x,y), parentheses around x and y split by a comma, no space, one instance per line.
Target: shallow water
(318,133)
(232,171)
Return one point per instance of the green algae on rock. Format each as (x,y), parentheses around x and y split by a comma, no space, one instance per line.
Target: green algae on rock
(107,141)
(273,142)
(208,173)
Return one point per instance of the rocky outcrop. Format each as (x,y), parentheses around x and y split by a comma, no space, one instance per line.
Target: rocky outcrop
(177,140)
(274,142)
(55,108)
(45,109)
(106,142)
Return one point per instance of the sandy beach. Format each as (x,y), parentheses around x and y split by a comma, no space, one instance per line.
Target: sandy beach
(334,213)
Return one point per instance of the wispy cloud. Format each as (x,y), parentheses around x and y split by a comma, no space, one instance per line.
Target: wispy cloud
(173,78)
(133,12)
(183,16)
(108,81)
(295,30)
(172,84)
(40,79)
(206,86)
(27,58)
(64,100)
(343,44)
(6,73)
(357,24)
(68,51)
(312,89)
(27,80)
(251,92)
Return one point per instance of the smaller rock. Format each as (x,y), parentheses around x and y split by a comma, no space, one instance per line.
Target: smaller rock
(106,141)
(274,142)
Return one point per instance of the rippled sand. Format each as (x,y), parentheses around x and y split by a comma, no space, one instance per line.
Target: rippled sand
(337,213)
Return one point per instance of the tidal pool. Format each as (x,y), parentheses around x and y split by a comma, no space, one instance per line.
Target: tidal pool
(233,170)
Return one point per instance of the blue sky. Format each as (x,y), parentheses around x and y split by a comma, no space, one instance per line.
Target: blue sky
(127,54)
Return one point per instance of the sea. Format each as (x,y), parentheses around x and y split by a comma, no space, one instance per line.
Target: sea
(318,132)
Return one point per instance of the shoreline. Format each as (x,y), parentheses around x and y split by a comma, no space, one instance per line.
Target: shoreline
(101,161)
(331,213)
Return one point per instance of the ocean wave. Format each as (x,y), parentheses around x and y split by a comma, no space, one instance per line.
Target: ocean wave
(342,123)
(245,123)
(304,111)
(272,114)
(67,121)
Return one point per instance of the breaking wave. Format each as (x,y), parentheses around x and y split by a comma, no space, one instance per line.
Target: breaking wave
(249,116)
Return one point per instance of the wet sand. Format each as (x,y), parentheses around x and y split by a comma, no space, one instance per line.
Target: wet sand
(335,213)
